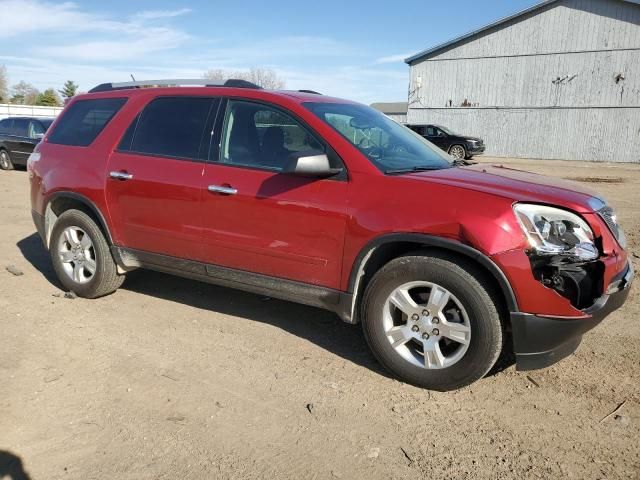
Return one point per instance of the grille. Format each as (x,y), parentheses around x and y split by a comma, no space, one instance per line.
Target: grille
(610,219)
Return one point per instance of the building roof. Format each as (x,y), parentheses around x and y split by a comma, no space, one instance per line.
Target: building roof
(497,23)
(391,107)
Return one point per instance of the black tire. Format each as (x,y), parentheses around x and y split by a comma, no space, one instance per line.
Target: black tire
(106,279)
(452,148)
(5,160)
(465,282)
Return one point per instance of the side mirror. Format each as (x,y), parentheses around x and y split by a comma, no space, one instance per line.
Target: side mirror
(312,163)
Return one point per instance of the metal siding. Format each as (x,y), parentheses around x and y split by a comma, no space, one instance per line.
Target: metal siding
(603,134)
(528,81)
(590,117)
(570,25)
(10,110)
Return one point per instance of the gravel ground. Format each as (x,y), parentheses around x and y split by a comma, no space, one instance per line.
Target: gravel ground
(170,378)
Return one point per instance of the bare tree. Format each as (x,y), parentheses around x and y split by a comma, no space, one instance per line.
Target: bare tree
(265,77)
(23,93)
(4,85)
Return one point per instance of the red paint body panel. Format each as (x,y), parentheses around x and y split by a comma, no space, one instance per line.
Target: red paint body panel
(159,209)
(276,225)
(303,229)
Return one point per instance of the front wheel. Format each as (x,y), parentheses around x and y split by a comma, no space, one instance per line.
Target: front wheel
(81,257)
(5,160)
(430,321)
(457,151)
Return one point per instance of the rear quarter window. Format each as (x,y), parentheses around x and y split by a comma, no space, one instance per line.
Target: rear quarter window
(84,120)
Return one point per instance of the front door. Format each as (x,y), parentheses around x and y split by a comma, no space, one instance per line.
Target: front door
(260,220)
(154,187)
(436,136)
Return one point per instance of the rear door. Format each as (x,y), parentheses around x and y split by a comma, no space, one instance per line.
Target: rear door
(155,183)
(261,220)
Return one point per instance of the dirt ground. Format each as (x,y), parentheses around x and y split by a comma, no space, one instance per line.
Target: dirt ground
(170,378)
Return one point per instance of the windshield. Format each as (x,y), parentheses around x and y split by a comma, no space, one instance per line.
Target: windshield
(46,123)
(387,144)
(448,131)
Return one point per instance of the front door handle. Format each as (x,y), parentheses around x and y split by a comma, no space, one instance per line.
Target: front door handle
(222,189)
(121,175)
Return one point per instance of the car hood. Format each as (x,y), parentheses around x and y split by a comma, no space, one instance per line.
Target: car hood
(516,185)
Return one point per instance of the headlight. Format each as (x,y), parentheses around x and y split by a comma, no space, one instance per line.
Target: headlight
(552,231)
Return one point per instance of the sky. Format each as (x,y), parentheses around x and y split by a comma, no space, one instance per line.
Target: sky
(347,48)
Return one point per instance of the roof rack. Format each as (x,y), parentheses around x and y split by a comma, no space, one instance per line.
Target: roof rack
(232,83)
(309,91)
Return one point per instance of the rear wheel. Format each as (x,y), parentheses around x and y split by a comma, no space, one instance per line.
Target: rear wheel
(5,160)
(429,320)
(81,257)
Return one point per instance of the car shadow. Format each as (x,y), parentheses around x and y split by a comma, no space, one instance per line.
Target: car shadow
(34,252)
(11,467)
(318,326)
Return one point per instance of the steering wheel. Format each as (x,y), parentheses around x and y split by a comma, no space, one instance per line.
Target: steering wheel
(398,148)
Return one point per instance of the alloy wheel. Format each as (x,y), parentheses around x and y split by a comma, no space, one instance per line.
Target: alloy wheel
(4,161)
(457,151)
(426,325)
(77,254)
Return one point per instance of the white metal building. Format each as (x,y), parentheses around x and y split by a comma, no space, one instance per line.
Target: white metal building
(560,80)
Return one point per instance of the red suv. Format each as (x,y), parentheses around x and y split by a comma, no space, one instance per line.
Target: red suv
(329,203)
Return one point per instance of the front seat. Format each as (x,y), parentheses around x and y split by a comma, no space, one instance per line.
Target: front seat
(274,153)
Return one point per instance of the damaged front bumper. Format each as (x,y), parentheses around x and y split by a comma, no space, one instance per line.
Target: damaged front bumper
(541,340)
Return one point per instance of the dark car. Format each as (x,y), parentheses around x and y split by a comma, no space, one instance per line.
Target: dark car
(18,137)
(329,203)
(458,146)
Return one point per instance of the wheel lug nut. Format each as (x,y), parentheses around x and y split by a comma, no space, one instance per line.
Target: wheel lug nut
(415,328)
(435,331)
(425,313)
(415,316)
(425,336)
(435,320)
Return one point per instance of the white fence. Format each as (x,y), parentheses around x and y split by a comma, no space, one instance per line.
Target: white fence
(27,111)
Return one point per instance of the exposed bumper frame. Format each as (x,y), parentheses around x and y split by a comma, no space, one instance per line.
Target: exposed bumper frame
(542,341)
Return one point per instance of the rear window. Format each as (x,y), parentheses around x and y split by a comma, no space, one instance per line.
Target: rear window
(84,120)
(6,126)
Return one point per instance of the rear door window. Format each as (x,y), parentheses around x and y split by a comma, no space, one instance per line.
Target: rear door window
(20,127)
(171,127)
(84,120)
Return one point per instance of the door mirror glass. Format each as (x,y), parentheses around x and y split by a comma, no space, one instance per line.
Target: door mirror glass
(313,163)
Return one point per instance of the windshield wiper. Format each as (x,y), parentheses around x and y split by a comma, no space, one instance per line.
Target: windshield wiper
(423,168)
(461,162)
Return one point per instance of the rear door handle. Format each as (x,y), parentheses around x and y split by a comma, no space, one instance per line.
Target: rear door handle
(221,189)
(121,175)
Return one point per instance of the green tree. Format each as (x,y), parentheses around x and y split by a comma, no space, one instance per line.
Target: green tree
(23,93)
(69,89)
(4,91)
(48,98)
